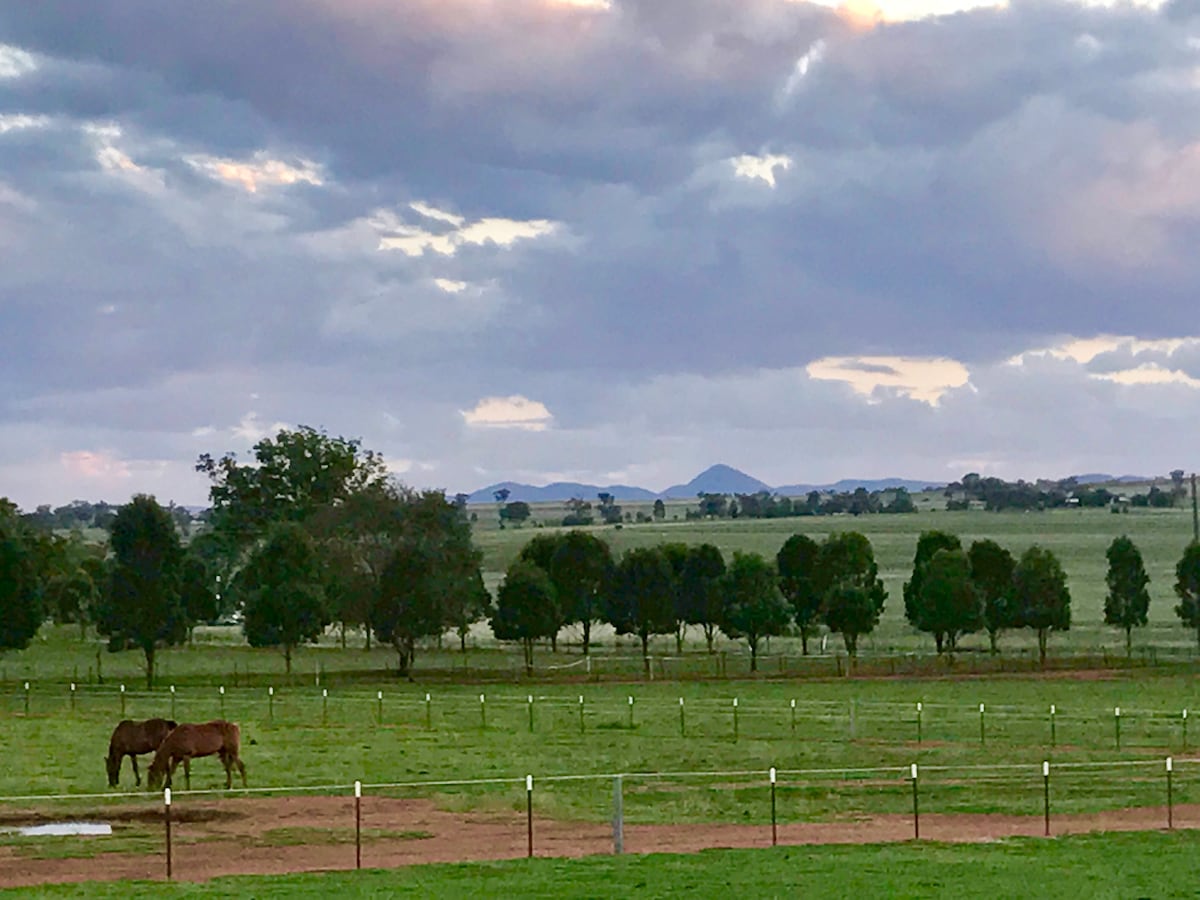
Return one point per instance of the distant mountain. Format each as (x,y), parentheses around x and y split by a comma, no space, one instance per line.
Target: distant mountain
(559,491)
(718,479)
(1101,478)
(853,484)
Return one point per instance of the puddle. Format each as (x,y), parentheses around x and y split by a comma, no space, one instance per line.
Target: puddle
(60,829)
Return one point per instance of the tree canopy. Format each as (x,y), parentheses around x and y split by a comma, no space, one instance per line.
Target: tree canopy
(992,572)
(1127,603)
(754,607)
(142,606)
(641,600)
(1040,595)
(799,580)
(1187,587)
(526,608)
(853,595)
(21,610)
(916,602)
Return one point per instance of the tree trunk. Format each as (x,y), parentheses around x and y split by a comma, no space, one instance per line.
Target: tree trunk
(149,651)
(1042,634)
(850,639)
(343,629)
(710,632)
(587,636)
(993,638)
(367,644)
(753,653)
(679,630)
(554,642)
(287,660)
(528,646)
(803,641)
(938,637)
(646,653)
(462,639)
(1129,641)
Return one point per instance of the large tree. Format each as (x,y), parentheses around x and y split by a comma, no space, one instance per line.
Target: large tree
(432,568)
(676,555)
(699,589)
(853,595)
(641,600)
(526,608)
(540,550)
(992,572)
(915,611)
(283,595)
(1187,587)
(581,567)
(1128,601)
(142,606)
(754,607)
(1041,598)
(294,474)
(797,561)
(948,602)
(20,595)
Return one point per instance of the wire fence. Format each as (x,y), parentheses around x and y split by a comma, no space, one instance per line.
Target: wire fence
(731,718)
(624,811)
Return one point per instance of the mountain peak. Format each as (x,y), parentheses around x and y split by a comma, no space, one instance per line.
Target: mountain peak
(717,479)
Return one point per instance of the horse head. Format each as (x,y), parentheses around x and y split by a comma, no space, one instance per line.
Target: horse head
(113,763)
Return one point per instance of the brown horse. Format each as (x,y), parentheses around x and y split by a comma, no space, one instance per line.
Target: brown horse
(187,742)
(131,738)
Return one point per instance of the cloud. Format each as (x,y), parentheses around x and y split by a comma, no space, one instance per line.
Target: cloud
(260,171)
(760,167)
(508,412)
(922,379)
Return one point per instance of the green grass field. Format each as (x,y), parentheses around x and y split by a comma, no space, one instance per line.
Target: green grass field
(1093,866)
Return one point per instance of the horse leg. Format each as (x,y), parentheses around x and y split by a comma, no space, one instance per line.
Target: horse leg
(137,777)
(187,772)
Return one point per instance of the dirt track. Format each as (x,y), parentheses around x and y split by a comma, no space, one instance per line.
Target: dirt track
(213,839)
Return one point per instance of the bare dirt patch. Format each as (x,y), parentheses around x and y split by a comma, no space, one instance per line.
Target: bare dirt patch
(235,837)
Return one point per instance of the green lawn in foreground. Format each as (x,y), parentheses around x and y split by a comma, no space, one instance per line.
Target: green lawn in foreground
(1148,864)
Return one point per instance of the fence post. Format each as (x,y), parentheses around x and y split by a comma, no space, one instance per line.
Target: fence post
(982,728)
(379,707)
(1046,793)
(682,724)
(1053,734)
(27,699)
(916,806)
(358,824)
(581,713)
(122,698)
(1170,801)
(167,825)
(918,724)
(793,716)
(735,719)
(428,712)
(1185,746)
(324,706)
(270,704)
(631,712)
(853,718)
(222,701)
(531,713)
(72,696)
(529,810)
(774,829)
(172,701)
(618,820)
(1117,724)
(482,712)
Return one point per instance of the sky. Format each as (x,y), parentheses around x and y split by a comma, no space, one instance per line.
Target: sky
(609,241)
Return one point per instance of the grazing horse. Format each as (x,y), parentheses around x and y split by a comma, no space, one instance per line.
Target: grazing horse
(187,742)
(130,738)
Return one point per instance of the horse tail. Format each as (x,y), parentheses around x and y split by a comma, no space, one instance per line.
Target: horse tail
(231,737)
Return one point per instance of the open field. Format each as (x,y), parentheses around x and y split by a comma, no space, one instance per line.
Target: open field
(1079,538)
(1092,866)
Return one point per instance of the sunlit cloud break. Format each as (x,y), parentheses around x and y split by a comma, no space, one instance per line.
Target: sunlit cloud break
(260,171)
(760,167)
(921,379)
(508,412)
(414,240)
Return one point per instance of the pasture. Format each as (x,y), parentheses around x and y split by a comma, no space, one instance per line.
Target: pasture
(1092,866)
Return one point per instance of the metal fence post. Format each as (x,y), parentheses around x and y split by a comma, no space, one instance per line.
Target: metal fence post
(916,806)
(529,810)
(358,824)
(918,722)
(1170,799)
(682,721)
(774,829)
(1117,724)
(618,819)
(167,826)
(1053,731)
(1046,793)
